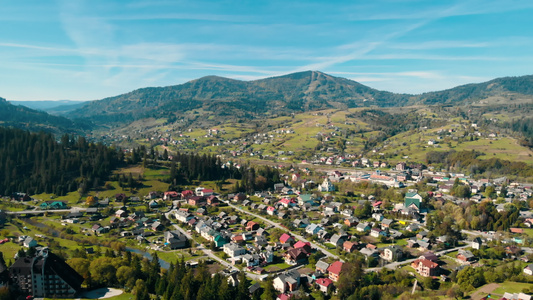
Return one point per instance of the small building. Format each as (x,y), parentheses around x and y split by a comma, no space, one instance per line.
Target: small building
(325,285)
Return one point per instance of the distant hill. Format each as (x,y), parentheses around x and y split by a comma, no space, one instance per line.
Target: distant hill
(223,97)
(48,105)
(507,88)
(33,120)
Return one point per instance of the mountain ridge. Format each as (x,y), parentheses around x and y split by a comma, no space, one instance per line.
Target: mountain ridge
(220,98)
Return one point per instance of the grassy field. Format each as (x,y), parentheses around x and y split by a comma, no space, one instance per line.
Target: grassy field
(151,182)
(512,287)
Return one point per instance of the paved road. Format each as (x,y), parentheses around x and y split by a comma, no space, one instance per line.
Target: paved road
(277,225)
(43,211)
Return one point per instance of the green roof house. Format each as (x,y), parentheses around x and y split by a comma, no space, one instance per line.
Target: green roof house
(413,200)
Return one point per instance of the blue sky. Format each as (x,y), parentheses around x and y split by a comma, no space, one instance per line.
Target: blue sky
(88,50)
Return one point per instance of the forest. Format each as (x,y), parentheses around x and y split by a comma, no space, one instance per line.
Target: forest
(35,163)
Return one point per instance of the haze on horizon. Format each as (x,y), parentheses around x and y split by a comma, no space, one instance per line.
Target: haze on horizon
(87,50)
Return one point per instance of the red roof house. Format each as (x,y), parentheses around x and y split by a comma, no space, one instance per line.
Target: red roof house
(334,270)
(324,284)
(285,238)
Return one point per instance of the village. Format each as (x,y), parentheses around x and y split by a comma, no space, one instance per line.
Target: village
(302,231)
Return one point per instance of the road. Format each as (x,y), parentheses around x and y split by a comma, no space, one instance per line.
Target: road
(326,252)
(43,211)
(211,255)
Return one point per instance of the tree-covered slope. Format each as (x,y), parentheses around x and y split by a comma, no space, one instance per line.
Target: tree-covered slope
(34,120)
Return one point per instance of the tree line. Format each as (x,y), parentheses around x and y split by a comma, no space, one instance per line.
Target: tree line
(145,277)
(469,161)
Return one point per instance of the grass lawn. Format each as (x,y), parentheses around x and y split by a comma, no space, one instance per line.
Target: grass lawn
(529,232)
(402,242)
(279,266)
(512,287)
(174,256)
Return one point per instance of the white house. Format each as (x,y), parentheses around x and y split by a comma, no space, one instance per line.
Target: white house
(326,186)
(233,250)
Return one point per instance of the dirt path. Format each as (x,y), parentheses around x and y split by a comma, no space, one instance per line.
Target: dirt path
(486,289)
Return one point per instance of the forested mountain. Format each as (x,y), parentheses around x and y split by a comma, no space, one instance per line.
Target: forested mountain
(36,163)
(33,120)
(220,96)
(226,98)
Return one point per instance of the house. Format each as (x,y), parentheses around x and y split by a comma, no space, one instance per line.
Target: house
(412,227)
(425,267)
(183,216)
(528,269)
(351,221)
(322,266)
(121,213)
(392,253)
(45,275)
(29,242)
(465,256)
(175,239)
(239,197)
(252,226)
(326,186)
(233,250)
(376,232)
(305,245)
(337,239)
(250,260)
(516,296)
(286,202)
(260,241)
(362,227)
(349,246)
(305,198)
(287,281)
(170,195)
(412,201)
(334,271)
(197,201)
(369,252)
(157,226)
(285,238)
(206,192)
(313,229)
(378,217)
(220,240)
(187,194)
(386,223)
(212,200)
(325,285)
(296,256)
(271,210)
(54,205)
